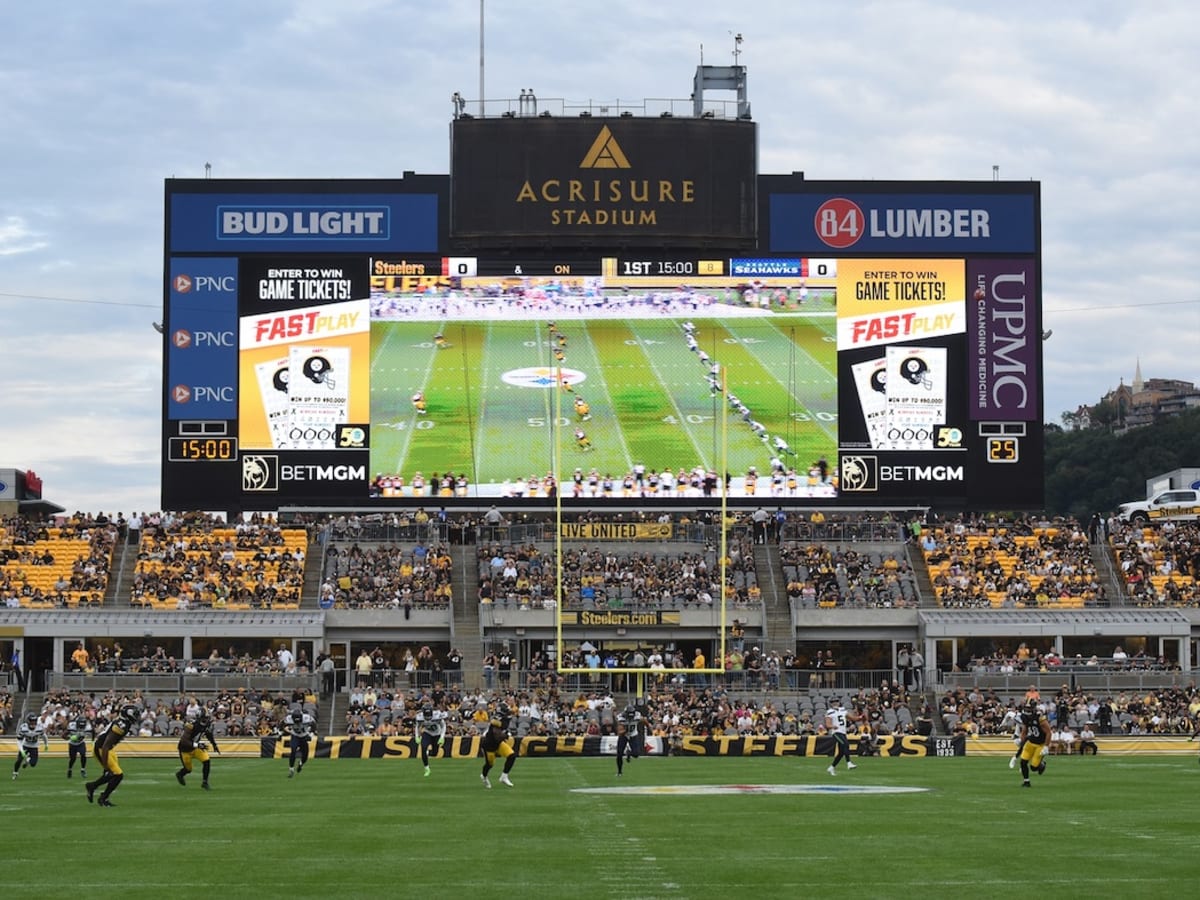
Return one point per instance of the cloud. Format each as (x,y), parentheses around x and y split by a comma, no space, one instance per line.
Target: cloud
(1096,102)
(16,237)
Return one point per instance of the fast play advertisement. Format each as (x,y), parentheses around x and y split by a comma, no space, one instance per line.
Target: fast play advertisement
(304,371)
(896,323)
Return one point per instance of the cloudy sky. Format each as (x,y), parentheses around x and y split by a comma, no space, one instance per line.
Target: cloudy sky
(99,102)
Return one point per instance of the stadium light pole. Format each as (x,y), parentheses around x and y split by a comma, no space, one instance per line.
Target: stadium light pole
(481,59)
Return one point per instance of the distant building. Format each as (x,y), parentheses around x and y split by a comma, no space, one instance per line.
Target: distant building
(1147,401)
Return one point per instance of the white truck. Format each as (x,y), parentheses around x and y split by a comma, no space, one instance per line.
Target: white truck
(1177,505)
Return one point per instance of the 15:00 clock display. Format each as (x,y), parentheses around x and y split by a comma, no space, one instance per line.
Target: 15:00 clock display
(199,449)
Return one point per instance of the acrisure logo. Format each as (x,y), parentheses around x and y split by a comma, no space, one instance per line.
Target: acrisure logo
(605,153)
(573,200)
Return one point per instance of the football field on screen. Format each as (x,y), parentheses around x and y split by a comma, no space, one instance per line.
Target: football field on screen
(680,827)
(496,407)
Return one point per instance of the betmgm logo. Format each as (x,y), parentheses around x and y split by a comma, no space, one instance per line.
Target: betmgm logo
(859,473)
(260,473)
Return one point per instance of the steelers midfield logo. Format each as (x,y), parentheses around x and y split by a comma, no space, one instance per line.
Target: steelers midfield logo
(542,376)
(859,473)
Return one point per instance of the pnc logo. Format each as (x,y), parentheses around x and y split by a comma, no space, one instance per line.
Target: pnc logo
(605,153)
(182,339)
(182,284)
(181,393)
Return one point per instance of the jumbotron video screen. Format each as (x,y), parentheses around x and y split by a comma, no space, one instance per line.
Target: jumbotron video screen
(326,347)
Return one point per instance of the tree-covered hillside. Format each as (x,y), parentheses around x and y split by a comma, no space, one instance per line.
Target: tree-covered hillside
(1094,470)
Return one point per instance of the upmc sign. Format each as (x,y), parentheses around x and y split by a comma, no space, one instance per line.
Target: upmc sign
(1003,329)
(632,180)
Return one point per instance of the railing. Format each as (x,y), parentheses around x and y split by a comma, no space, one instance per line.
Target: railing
(844,532)
(1075,678)
(528,105)
(160,682)
(434,531)
(843,682)
(542,530)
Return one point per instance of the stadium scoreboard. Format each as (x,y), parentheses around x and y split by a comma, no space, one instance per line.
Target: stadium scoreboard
(914,310)
(673,266)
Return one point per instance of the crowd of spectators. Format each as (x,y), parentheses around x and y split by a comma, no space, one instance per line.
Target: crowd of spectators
(1030,659)
(111,657)
(1015,564)
(1160,565)
(671,711)
(195,562)
(1169,710)
(525,576)
(387,576)
(62,563)
(245,712)
(817,575)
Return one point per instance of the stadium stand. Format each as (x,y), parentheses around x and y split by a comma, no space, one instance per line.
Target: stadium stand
(817,575)
(617,577)
(240,713)
(199,566)
(1012,565)
(364,566)
(58,566)
(1159,566)
(385,575)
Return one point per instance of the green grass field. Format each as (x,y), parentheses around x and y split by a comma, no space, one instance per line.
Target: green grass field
(1094,826)
(493,401)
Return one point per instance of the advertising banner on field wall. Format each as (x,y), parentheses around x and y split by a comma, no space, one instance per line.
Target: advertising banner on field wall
(779,745)
(402,747)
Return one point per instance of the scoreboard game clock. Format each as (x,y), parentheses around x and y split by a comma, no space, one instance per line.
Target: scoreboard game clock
(712,265)
(202,449)
(1003,450)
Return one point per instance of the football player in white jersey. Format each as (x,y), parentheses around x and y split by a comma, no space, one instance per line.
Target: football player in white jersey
(836,718)
(30,737)
(430,728)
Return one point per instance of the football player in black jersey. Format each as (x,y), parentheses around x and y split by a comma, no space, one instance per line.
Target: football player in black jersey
(1035,732)
(298,727)
(105,752)
(77,735)
(497,742)
(629,737)
(192,748)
